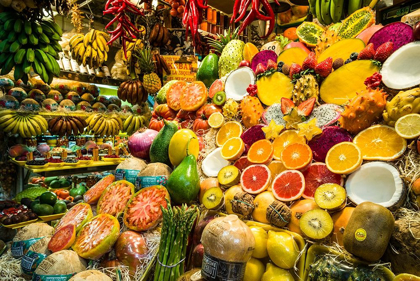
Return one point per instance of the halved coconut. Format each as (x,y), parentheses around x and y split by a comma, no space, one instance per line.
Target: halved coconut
(376,182)
(213,163)
(237,82)
(401,70)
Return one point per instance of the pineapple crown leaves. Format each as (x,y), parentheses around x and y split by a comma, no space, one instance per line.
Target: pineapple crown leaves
(223,39)
(145,59)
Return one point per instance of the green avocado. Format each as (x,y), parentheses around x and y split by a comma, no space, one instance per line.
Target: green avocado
(43,210)
(79,190)
(60,207)
(48,180)
(48,197)
(209,70)
(55,184)
(64,183)
(34,203)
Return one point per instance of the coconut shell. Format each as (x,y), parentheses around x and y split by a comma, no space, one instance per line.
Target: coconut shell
(61,263)
(90,275)
(279,214)
(34,230)
(41,246)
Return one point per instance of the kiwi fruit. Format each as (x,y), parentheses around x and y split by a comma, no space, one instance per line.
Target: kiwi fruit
(213,198)
(316,224)
(228,176)
(219,98)
(331,197)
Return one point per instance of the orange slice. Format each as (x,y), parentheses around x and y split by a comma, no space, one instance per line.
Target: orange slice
(194,96)
(344,158)
(260,152)
(380,142)
(233,148)
(216,120)
(284,139)
(276,167)
(229,130)
(296,156)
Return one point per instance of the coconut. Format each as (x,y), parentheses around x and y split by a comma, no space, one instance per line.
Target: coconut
(154,174)
(50,104)
(34,230)
(55,95)
(68,104)
(64,262)
(237,82)
(9,102)
(35,255)
(129,168)
(90,275)
(376,182)
(213,163)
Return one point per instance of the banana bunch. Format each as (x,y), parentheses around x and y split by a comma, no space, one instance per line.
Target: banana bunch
(24,124)
(27,45)
(132,91)
(104,124)
(131,46)
(333,11)
(66,125)
(90,49)
(134,122)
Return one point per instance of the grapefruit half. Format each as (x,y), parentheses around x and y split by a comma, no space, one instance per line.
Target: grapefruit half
(255,179)
(288,185)
(316,175)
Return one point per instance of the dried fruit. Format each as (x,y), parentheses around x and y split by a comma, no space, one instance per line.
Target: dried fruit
(243,203)
(278,214)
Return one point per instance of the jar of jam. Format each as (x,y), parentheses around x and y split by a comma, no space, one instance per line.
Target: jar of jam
(31,142)
(80,141)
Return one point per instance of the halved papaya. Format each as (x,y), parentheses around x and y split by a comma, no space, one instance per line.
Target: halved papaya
(94,193)
(78,215)
(115,197)
(97,237)
(63,239)
(173,95)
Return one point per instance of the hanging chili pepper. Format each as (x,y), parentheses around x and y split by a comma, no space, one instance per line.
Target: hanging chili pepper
(240,9)
(193,14)
(125,30)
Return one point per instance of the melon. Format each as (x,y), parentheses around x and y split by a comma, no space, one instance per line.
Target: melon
(62,263)
(90,275)
(342,49)
(217,86)
(237,82)
(114,100)
(84,105)
(73,96)
(343,84)
(292,55)
(18,93)
(274,87)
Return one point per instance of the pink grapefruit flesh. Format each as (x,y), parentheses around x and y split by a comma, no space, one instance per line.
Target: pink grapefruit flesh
(288,185)
(316,175)
(242,163)
(255,179)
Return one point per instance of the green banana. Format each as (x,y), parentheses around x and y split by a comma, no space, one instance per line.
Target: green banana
(4,46)
(17,27)
(44,38)
(23,39)
(33,40)
(52,52)
(43,47)
(8,66)
(18,73)
(8,25)
(43,58)
(354,5)
(14,47)
(312,7)
(325,11)
(3,58)
(37,67)
(5,16)
(336,10)
(37,28)
(46,29)
(3,34)
(18,57)
(56,37)
(57,29)
(26,66)
(57,47)
(12,36)
(28,27)
(30,55)
(318,11)
(54,64)
(43,73)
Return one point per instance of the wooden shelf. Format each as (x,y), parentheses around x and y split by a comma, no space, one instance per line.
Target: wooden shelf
(74,76)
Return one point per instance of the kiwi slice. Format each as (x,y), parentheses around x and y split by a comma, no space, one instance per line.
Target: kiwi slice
(213,198)
(229,176)
(219,98)
(316,224)
(330,196)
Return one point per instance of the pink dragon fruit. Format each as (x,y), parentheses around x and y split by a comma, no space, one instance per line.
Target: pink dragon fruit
(253,134)
(326,114)
(330,136)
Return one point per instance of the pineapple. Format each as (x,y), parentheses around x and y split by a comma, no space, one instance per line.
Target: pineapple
(305,88)
(223,39)
(151,81)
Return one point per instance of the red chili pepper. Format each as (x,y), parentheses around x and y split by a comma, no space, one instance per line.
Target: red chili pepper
(112,21)
(271,15)
(243,11)
(235,10)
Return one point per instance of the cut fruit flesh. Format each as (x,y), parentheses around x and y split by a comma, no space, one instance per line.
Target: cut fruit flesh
(296,156)
(219,98)
(233,148)
(274,87)
(292,55)
(63,239)
(78,214)
(173,95)
(242,163)
(237,82)
(260,152)
(342,49)
(309,33)
(255,179)
(216,120)
(408,126)
(217,86)
(354,24)
(94,193)
(288,186)
(284,139)
(330,196)
(228,130)
(380,142)
(194,95)
(213,163)
(213,198)
(115,197)
(276,167)
(316,224)
(344,158)
(229,176)
(316,175)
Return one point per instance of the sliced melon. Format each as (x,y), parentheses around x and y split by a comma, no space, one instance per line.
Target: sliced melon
(342,49)
(237,82)
(400,70)
(343,84)
(292,55)
(274,87)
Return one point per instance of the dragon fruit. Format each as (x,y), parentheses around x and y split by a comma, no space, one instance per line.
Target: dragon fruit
(253,134)
(263,57)
(326,114)
(330,136)
(273,112)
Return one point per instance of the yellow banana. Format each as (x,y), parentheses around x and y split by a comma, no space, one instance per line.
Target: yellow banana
(93,57)
(6,120)
(35,125)
(42,122)
(76,39)
(98,124)
(127,122)
(7,111)
(12,125)
(31,129)
(137,126)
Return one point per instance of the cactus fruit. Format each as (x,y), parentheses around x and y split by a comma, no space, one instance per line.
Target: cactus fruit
(252,111)
(305,88)
(230,109)
(363,110)
(405,102)
(327,38)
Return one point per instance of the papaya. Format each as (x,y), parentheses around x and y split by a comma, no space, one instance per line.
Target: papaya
(368,231)
(209,70)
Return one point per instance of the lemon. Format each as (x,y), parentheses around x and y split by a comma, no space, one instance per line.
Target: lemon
(261,237)
(178,146)
(274,273)
(282,249)
(254,270)
(408,126)
(216,120)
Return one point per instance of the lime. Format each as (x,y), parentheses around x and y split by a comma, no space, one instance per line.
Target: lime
(60,207)
(48,197)
(309,33)
(43,209)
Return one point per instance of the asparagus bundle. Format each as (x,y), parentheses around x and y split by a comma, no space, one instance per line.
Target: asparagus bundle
(177,225)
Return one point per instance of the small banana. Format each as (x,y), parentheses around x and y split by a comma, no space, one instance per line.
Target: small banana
(325,11)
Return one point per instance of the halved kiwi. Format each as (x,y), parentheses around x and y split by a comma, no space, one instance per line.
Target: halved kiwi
(213,198)
(330,196)
(219,98)
(316,224)
(229,176)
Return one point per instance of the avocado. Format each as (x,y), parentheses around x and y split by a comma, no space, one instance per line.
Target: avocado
(64,183)
(159,150)
(34,203)
(60,207)
(48,180)
(55,184)
(209,70)
(79,190)
(44,210)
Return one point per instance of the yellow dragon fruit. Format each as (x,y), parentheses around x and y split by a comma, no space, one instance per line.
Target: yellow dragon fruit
(252,111)
(405,102)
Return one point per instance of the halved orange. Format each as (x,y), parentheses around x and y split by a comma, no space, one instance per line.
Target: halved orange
(380,142)
(229,130)
(284,139)
(276,167)
(233,148)
(296,156)
(260,152)
(194,96)
(344,158)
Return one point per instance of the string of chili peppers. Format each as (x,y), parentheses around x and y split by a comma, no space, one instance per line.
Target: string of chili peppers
(193,14)
(125,29)
(240,10)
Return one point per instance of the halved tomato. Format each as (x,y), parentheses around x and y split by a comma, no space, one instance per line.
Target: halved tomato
(143,210)
(194,95)
(174,93)
(78,215)
(94,193)
(97,237)
(115,197)
(63,239)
